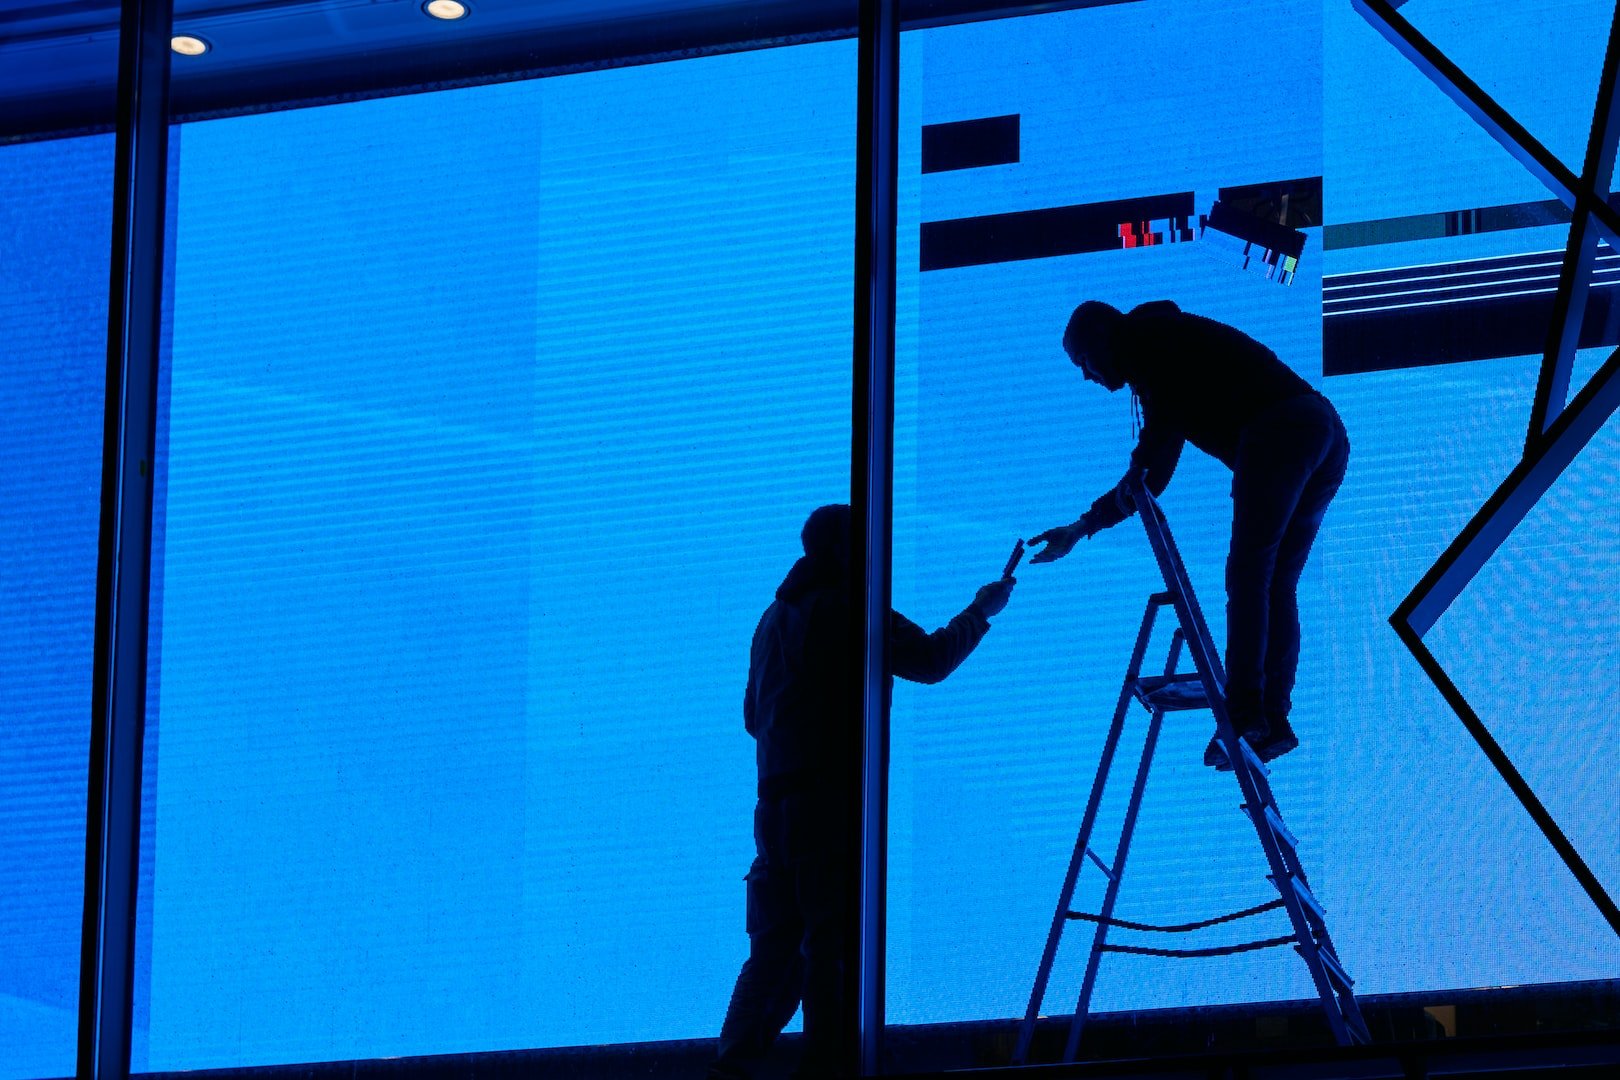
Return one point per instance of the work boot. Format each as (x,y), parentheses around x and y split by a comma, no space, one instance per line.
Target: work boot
(1279,740)
(1255,731)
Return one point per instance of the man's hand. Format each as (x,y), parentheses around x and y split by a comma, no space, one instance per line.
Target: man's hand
(1059,541)
(992,598)
(1122,493)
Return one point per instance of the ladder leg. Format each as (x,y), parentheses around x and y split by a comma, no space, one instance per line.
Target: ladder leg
(1094,959)
(1316,946)
(1311,936)
(1257,794)
(1026,1030)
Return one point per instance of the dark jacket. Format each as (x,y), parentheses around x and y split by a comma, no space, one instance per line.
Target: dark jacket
(1199,381)
(802,677)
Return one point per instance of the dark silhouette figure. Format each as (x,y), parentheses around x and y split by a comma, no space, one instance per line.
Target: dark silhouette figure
(799,707)
(1204,382)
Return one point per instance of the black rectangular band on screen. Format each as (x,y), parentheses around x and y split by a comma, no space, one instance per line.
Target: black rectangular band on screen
(970,144)
(1042,234)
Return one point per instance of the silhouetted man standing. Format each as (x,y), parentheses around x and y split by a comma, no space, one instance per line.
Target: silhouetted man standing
(1204,382)
(802,683)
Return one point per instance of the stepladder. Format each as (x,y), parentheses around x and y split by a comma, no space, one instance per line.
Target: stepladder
(1173,690)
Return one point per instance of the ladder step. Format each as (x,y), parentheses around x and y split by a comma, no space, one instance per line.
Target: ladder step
(1283,832)
(1092,855)
(1336,974)
(1278,828)
(1307,899)
(1172,693)
(1255,764)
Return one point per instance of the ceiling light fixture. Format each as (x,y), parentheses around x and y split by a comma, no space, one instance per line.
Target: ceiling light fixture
(187,45)
(445,9)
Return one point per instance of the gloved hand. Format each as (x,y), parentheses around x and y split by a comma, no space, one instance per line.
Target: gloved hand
(992,598)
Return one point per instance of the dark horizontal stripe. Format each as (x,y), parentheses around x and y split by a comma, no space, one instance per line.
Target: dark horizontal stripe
(1455,333)
(1042,234)
(1481,219)
(1295,203)
(970,144)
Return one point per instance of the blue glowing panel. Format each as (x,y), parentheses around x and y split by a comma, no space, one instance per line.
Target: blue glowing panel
(494,415)
(55,241)
(1531,643)
(1539,59)
(998,437)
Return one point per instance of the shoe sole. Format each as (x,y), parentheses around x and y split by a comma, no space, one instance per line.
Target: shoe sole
(1274,750)
(1224,763)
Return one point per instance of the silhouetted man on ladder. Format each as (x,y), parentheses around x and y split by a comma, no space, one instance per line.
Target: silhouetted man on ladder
(1204,382)
(802,679)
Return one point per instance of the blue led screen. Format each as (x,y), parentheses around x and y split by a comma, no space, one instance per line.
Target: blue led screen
(55,241)
(1433,875)
(492,419)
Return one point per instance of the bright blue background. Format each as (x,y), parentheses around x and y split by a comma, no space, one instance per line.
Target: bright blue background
(1433,875)
(55,244)
(491,421)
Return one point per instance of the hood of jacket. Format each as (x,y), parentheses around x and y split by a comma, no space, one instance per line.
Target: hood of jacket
(806,576)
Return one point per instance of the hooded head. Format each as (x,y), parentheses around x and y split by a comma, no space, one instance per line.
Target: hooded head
(1092,341)
(827,547)
(827,535)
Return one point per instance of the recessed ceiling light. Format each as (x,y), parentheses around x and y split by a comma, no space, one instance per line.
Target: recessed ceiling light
(445,9)
(186,45)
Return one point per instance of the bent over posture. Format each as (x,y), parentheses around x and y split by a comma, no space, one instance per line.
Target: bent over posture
(1207,383)
(802,680)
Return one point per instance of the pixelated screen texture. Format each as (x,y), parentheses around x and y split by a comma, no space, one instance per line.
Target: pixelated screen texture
(55,243)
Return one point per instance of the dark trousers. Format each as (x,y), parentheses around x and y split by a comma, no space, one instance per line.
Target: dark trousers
(1290,462)
(800,889)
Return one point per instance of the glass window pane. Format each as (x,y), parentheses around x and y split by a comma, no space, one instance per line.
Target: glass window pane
(1416,311)
(492,420)
(55,243)
(60,63)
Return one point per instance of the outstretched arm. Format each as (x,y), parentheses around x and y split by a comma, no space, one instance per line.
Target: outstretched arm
(1156,454)
(930,658)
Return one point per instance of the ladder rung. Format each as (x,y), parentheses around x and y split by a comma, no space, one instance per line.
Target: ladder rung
(1307,900)
(1253,758)
(1092,855)
(1283,832)
(1278,828)
(1330,963)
